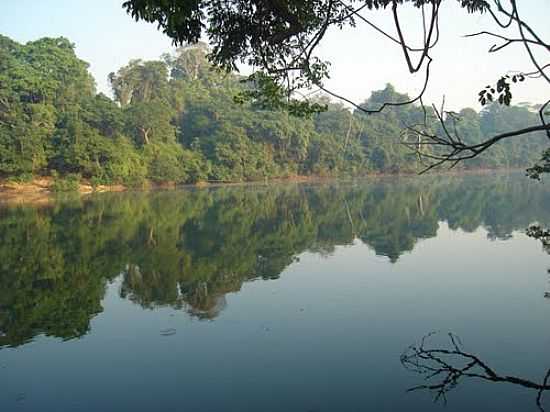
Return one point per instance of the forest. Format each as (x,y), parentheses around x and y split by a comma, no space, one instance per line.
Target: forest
(179,120)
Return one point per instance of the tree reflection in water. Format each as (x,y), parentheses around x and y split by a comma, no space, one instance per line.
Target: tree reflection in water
(188,249)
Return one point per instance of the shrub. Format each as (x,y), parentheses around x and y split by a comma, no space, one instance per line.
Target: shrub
(165,163)
(21,178)
(67,183)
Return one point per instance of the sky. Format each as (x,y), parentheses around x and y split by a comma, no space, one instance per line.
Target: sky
(362,60)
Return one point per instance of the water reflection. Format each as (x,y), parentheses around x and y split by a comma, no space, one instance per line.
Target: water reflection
(189,249)
(445,365)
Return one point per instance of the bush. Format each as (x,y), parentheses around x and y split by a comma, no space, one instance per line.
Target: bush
(68,183)
(196,168)
(21,178)
(165,163)
(126,166)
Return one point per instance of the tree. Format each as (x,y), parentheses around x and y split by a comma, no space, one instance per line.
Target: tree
(140,82)
(101,113)
(280,39)
(38,81)
(150,121)
(186,128)
(189,63)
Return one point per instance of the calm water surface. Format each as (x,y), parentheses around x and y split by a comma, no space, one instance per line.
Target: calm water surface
(276,298)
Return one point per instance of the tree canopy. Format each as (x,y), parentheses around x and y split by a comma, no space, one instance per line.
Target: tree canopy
(174,120)
(279,39)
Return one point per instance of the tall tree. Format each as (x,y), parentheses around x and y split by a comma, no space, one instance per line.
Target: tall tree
(281,38)
(140,81)
(38,81)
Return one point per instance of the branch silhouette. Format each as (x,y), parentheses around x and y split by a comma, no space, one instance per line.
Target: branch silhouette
(444,367)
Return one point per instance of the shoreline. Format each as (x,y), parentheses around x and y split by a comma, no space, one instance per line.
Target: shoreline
(39,190)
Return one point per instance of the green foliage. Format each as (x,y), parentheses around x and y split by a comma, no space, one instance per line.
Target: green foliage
(189,63)
(164,162)
(38,82)
(195,167)
(125,165)
(67,183)
(267,94)
(103,114)
(176,121)
(140,82)
(22,178)
(149,122)
(276,37)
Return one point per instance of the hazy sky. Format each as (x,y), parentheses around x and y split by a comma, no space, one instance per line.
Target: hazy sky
(363,61)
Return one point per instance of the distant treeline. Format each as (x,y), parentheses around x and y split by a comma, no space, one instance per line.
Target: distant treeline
(176,120)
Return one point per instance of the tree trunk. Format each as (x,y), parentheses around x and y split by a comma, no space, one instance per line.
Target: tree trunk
(145,133)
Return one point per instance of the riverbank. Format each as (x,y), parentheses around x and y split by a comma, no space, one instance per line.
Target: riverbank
(41,190)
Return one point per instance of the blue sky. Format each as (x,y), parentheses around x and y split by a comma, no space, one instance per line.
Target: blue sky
(107,38)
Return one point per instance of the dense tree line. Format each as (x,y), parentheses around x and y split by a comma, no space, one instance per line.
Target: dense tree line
(177,120)
(281,41)
(188,249)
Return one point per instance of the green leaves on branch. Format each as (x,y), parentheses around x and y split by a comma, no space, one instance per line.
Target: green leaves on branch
(277,37)
(262,91)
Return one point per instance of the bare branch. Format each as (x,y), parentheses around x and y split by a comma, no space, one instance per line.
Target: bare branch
(452,365)
(521,26)
(507,41)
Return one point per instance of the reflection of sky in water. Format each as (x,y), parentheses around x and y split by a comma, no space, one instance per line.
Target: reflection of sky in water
(325,336)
